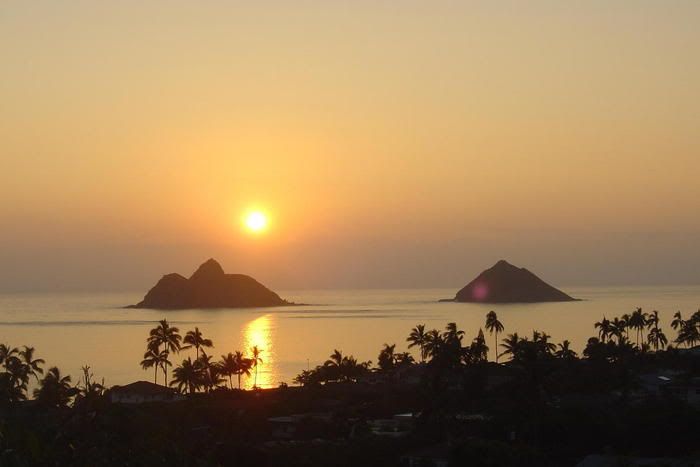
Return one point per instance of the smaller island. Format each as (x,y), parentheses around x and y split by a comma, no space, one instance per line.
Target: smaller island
(209,287)
(505,283)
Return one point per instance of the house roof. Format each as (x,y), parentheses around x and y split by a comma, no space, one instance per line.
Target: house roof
(142,388)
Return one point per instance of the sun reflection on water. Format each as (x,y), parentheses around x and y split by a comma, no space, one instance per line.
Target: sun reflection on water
(259,332)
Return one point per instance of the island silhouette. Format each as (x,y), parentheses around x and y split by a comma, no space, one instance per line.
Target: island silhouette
(209,287)
(506,283)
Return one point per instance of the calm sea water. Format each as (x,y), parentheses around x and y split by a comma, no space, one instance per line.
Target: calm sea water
(71,330)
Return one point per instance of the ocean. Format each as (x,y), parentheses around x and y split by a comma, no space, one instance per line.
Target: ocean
(72,330)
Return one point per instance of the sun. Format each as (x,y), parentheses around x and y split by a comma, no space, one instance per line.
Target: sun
(256,221)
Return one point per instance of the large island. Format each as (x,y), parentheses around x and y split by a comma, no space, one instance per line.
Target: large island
(505,283)
(209,287)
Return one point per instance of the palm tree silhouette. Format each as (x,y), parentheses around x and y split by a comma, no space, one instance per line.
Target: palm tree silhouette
(228,366)
(187,375)
(689,334)
(255,361)
(386,359)
(511,345)
(153,358)
(618,328)
(334,365)
(54,390)
(678,321)
(657,338)
(604,329)
(433,343)
(196,340)
(637,321)
(564,352)
(168,337)
(6,353)
(403,358)
(626,319)
(542,341)
(89,392)
(16,375)
(493,325)
(350,368)
(335,360)
(695,317)
(477,351)
(33,366)
(418,338)
(653,319)
(9,390)
(210,373)
(452,334)
(243,366)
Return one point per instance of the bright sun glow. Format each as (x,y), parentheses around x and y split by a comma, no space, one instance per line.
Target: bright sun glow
(256,221)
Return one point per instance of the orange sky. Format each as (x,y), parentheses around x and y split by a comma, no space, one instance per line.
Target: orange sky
(392,143)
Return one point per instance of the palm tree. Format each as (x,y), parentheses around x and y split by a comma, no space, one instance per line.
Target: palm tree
(618,328)
(228,366)
(678,321)
(334,365)
(307,377)
(604,329)
(657,338)
(542,340)
(564,352)
(9,390)
(626,320)
(339,367)
(419,338)
(14,380)
(153,358)
(255,361)
(653,320)
(187,375)
(6,353)
(403,358)
(335,360)
(243,366)
(688,334)
(17,372)
(350,368)
(433,343)
(494,326)
(196,340)
(386,359)
(477,351)
(596,350)
(32,365)
(54,390)
(695,317)
(452,334)
(90,391)
(637,321)
(211,376)
(511,344)
(168,337)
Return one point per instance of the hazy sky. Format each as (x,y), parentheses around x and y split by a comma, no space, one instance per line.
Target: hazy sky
(392,144)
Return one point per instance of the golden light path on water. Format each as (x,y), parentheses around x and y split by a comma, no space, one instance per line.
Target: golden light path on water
(259,333)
